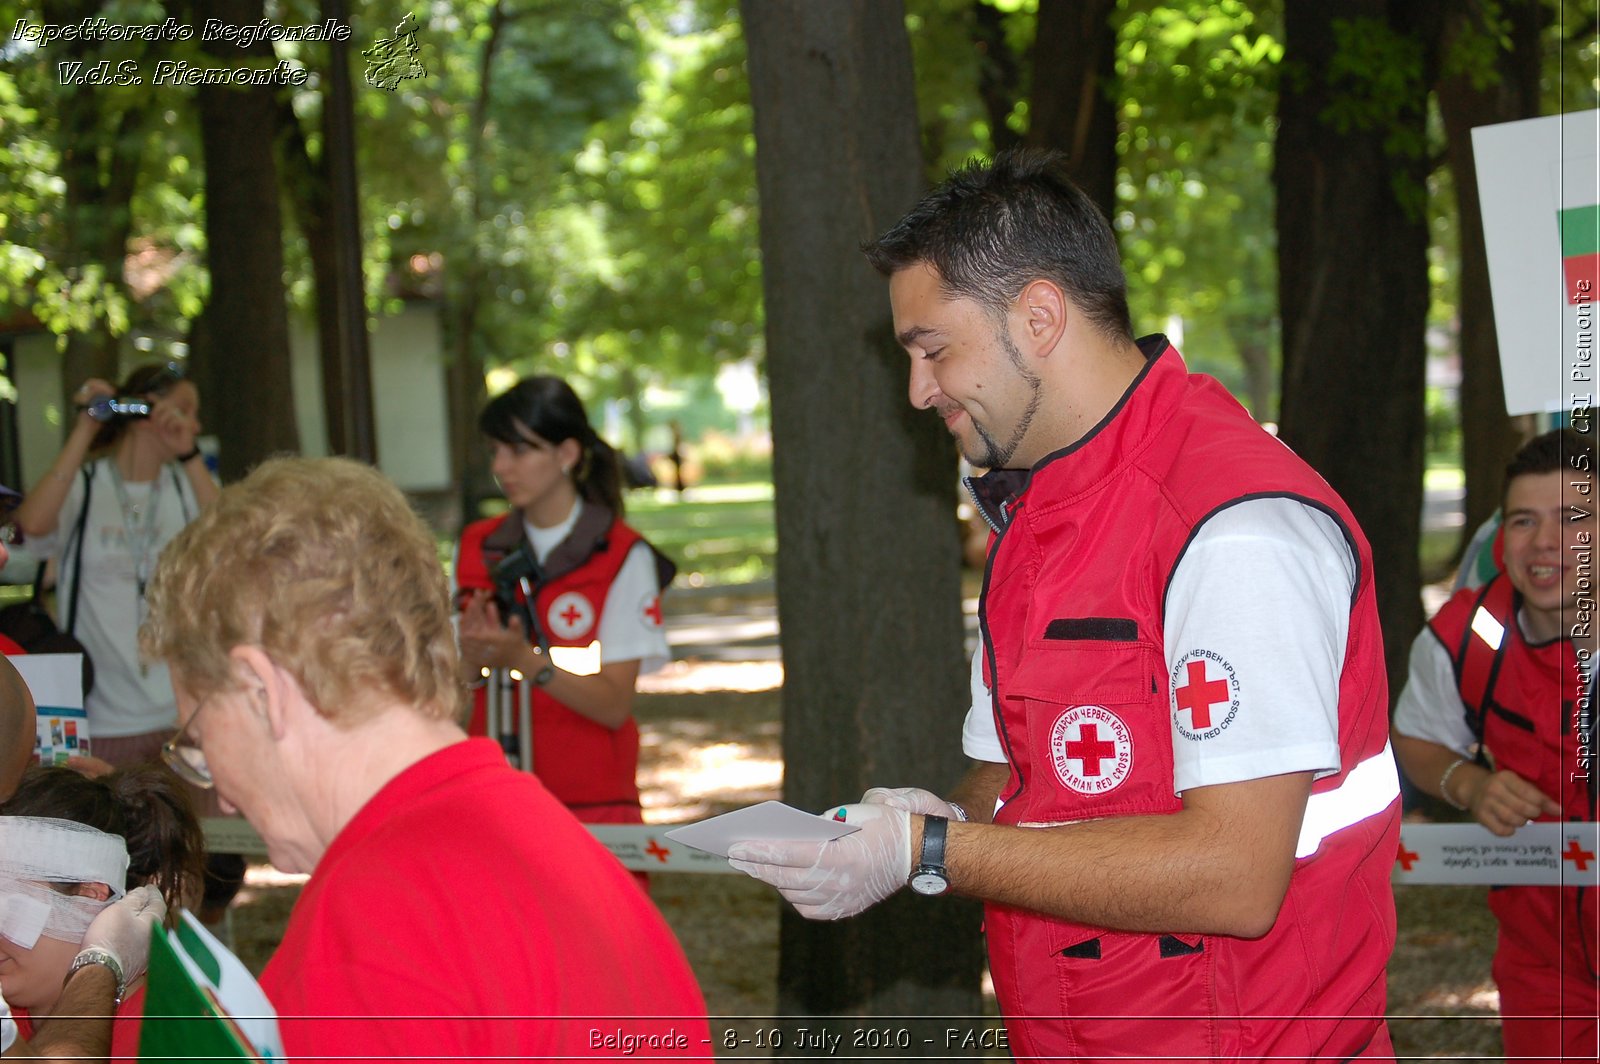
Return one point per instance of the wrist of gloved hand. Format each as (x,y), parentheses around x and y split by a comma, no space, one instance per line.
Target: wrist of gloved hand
(914,800)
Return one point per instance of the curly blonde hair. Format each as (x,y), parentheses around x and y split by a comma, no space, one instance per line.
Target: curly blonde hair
(323,565)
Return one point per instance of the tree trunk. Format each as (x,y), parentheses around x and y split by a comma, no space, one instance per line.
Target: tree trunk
(99,168)
(1488,437)
(1074,66)
(999,73)
(1353,293)
(245,335)
(868,560)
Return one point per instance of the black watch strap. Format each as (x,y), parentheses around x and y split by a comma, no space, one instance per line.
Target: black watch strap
(933,832)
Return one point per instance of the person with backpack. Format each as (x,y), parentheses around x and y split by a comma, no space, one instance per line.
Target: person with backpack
(1496,719)
(128,479)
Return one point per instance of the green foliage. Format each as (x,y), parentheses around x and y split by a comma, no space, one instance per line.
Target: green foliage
(1197,84)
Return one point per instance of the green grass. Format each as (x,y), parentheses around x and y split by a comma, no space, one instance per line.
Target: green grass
(722,535)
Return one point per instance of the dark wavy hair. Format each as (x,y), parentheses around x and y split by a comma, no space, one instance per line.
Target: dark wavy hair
(144,804)
(151,381)
(1559,449)
(992,228)
(548,408)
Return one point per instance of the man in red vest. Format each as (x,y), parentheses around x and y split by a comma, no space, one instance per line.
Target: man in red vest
(1497,719)
(1184,810)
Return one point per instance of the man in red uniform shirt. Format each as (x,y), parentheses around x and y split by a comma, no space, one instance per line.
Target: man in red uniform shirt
(1497,719)
(455,911)
(1185,810)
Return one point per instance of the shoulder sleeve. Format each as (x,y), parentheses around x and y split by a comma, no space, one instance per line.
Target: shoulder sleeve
(631,627)
(1257,618)
(979,738)
(1430,706)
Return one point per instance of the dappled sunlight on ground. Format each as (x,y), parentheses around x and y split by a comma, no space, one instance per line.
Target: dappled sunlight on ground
(684,677)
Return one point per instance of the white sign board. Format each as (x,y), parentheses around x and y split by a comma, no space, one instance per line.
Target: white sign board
(1540,191)
(56,683)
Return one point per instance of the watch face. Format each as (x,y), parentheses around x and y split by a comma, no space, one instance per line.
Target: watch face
(929,881)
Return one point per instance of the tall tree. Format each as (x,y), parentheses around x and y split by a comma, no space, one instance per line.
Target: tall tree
(868,559)
(243,334)
(1490,73)
(1350,175)
(1074,67)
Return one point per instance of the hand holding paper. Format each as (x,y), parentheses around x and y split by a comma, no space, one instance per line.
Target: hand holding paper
(832,880)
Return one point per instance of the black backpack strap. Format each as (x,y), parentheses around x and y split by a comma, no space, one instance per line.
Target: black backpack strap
(75,546)
(1482,649)
(183,501)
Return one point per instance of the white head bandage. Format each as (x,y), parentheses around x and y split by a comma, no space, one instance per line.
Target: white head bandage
(38,851)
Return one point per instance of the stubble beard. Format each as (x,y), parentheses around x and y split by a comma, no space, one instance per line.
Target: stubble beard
(993,455)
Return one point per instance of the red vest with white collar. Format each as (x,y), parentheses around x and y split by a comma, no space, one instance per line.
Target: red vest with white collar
(581,762)
(1073,618)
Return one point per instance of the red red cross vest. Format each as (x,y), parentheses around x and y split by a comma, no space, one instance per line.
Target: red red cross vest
(1521,701)
(1072,616)
(1519,698)
(583,763)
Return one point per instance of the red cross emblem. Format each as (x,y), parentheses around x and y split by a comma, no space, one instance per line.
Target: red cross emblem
(1406,857)
(1577,855)
(1199,695)
(655,850)
(1091,748)
(570,616)
(652,610)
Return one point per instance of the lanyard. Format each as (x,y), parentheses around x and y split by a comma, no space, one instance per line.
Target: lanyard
(140,540)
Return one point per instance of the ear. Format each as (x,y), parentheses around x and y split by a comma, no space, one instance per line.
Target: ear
(96,891)
(569,452)
(270,689)
(1041,312)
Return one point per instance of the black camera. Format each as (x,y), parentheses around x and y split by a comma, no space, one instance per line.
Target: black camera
(517,571)
(118,408)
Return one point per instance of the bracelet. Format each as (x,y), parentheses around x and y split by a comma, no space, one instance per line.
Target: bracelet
(1444,782)
(191,456)
(101,955)
(961,814)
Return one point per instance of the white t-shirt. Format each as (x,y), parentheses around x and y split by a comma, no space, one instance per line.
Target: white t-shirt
(8,1029)
(1257,620)
(128,698)
(1430,706)
(631,627)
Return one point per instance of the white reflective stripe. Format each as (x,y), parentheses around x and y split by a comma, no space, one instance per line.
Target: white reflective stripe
(1367,790)
(1487,628)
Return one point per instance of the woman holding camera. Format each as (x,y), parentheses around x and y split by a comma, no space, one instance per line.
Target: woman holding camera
(567,595)
(123,485)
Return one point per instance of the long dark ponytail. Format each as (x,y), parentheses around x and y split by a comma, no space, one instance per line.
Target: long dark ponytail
(549,408)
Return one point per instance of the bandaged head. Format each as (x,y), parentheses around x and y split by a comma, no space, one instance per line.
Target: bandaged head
(38,851)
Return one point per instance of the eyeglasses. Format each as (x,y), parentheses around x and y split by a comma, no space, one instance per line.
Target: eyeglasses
(185,758)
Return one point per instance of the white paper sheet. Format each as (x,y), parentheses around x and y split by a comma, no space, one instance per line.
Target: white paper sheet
(765,822)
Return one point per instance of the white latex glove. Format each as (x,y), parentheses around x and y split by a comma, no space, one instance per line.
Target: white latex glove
(912,800)
(843,877)
(124,928)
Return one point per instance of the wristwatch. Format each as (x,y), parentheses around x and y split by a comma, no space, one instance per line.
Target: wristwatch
(100,955)
(546,674)
(929,876)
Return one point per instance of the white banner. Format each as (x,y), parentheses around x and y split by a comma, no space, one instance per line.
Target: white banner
(1536,855)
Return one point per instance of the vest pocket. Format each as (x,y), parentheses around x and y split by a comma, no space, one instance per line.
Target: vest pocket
(1149,995)
(1090,718)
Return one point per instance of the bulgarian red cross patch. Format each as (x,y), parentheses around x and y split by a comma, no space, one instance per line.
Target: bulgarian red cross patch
(1091,748)
(1204,695)
(650,609)
(570,616)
